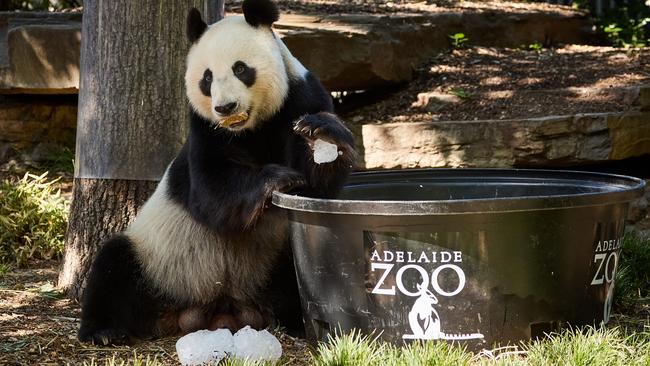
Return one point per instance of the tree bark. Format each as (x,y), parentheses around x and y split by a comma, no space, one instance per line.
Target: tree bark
(131,120)
(100,209)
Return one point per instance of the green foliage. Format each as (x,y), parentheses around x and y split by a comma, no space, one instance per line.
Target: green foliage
(4,269)
(62,162)
(535,46)
(589,346)
(48,291)
(33,219)
(633,274)
(8,346)
(432,354)
(238,362)
(626,32)
(579,347)
(351,349)
(39,5)
(625,25)
(460,93)
(458,40)
(135,360)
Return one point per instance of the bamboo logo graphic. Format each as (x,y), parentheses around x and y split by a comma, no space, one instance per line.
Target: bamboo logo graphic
(425,321)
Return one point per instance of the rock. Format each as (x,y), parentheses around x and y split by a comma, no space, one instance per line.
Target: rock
(638,210)
(40,53)
(38,126)
(363,51)
(629,134)
(644,97)
(434,101)
(557,140)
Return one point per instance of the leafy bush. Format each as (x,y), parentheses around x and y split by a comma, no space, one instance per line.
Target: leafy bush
(625,32)
(33,219)
(624,25)
(39,5)
(633,274)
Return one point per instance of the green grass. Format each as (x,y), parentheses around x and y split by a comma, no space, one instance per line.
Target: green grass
(62,162)
(135,360)
(460,93)
(580,347)
(352,349)
(33,218)
(589,346)
(633,274)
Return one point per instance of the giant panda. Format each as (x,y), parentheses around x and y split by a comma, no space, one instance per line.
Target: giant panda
(207,250)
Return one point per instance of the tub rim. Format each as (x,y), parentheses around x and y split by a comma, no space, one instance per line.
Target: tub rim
(627,189)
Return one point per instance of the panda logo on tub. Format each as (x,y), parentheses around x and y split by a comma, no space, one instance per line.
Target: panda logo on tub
(207,250)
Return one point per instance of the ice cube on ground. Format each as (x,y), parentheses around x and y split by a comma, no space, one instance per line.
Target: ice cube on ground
(324,152)
(204,346)
(256,346)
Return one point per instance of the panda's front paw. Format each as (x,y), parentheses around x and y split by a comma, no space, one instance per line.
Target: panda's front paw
(273,178)
(327,127)
(280,178)
(105,337)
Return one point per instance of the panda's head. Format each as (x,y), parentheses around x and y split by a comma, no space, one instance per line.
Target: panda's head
(235,67)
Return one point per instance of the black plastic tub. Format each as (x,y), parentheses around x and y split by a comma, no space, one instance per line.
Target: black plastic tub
(470,255)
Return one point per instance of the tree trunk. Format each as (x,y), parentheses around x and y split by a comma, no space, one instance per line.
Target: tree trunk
(131,118)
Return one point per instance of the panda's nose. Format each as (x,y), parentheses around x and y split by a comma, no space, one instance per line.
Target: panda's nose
(226,108)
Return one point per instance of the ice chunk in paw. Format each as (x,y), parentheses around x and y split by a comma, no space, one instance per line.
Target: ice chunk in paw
(256,346)
(325,152)
(204,346)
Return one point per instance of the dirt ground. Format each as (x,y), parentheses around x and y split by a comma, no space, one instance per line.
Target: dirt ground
(406,6)
(38,326)
(490,83)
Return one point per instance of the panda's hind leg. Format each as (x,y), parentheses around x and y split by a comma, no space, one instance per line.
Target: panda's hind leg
(117,304)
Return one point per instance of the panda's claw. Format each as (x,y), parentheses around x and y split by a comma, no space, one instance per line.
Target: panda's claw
(106,337)
(324,126)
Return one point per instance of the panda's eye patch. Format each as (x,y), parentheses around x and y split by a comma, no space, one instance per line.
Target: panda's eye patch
(239,68)
(206,81)
(244,73)
(207,76)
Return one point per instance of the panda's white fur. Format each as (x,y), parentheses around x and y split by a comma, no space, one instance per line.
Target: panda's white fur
(230,40)
(188,262)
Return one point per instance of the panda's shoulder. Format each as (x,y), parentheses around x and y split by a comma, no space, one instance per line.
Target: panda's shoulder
(308,94)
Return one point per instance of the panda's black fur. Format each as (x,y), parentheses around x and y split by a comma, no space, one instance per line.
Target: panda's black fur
(223,181)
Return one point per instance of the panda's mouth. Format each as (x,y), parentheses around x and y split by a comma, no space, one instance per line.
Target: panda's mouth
(234,120)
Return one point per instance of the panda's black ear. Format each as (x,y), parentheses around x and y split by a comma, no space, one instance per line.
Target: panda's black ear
(260,12)
(195,25)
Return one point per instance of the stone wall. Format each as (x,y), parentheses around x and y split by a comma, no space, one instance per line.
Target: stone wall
(36,127)
(554,140)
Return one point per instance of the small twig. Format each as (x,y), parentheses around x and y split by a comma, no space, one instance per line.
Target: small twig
(50,342)
(67,318)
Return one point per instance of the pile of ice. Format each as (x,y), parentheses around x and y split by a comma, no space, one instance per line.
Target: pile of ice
(325,152)
(210,347)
